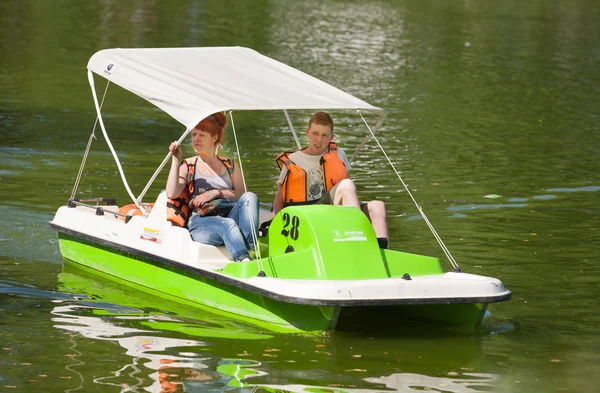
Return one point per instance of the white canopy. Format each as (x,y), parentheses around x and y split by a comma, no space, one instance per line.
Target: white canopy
(192,83)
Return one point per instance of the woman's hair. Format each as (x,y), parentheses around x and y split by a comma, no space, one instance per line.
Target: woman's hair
(214,125)
(322,119)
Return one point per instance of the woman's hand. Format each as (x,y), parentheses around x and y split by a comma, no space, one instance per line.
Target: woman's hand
(205,197)
(175,149)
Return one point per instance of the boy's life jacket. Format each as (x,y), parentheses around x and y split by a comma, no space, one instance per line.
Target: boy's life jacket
(178,209)
(295,183)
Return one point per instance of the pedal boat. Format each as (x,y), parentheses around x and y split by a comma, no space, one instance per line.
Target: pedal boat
(318,268)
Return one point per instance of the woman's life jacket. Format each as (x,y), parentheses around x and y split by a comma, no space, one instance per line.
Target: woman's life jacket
(294,186)
(178,209)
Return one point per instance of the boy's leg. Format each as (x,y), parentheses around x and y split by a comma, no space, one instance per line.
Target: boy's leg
(344,193)
(375,211)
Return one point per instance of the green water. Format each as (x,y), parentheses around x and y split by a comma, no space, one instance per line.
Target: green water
(482,98)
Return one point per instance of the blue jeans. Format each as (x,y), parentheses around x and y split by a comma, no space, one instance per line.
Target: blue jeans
(235,230)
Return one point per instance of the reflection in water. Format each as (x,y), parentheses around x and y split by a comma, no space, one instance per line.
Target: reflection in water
(72,368)
(177,366)
(145,351)
(151,311)
(402,382)
(468,382)
(175,363)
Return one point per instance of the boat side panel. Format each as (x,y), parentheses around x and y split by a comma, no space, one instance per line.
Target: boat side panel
(186,287)
(400,263)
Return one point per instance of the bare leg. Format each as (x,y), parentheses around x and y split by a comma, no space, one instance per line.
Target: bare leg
(345,194)
(375,211)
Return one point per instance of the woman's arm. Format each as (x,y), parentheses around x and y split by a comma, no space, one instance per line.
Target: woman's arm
(238,185)
(177,174)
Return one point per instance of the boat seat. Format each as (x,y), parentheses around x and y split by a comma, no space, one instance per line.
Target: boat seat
(263,228)
(265,216)
(158,214)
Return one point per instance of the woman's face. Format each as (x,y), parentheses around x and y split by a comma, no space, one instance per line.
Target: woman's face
(203,140)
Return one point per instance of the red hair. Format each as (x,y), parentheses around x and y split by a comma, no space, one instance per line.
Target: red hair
(214,125)
(321,118)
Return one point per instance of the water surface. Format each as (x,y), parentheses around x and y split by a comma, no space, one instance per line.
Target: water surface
(482,100)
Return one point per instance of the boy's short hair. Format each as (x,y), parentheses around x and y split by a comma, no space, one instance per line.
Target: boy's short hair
(321,118)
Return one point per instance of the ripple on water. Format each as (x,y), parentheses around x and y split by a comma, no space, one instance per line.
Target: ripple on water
(25,235)
(474,206)
(575,189)
(544,197)
(517,199)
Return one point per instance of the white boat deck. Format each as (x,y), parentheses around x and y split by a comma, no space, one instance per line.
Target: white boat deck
(152,234)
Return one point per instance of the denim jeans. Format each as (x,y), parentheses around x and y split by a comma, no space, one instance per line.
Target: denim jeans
(235,230)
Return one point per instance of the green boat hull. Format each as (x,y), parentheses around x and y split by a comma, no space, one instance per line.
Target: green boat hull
(108,298)
(179,285)
(304,246)
(182,286)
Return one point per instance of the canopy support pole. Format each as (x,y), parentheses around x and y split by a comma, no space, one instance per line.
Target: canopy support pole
(431,228)
(380,120)
(87,149)
(254,234)
(110,146)
(160,167)
(287,116)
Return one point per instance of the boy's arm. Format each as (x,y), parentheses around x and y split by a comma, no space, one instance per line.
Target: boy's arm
(278,202)
(342,156)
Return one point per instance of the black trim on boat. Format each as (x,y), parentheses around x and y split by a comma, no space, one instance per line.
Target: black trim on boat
(161,262)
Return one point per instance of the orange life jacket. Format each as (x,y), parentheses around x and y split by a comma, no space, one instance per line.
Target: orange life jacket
(133,210)
(178,209)
(295,183)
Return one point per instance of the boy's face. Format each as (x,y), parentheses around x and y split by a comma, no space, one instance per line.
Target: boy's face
(319,137)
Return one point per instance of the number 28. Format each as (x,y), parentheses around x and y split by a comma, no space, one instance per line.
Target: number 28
(293,231)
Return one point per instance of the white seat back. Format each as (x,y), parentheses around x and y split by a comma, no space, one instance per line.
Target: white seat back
(158,214)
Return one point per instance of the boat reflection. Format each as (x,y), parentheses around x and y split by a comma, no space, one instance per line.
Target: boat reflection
(100,310)
(401,383)
(142,349)
(169,347)
(106,298)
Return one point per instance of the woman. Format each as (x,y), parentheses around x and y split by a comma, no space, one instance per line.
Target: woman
(214,178)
